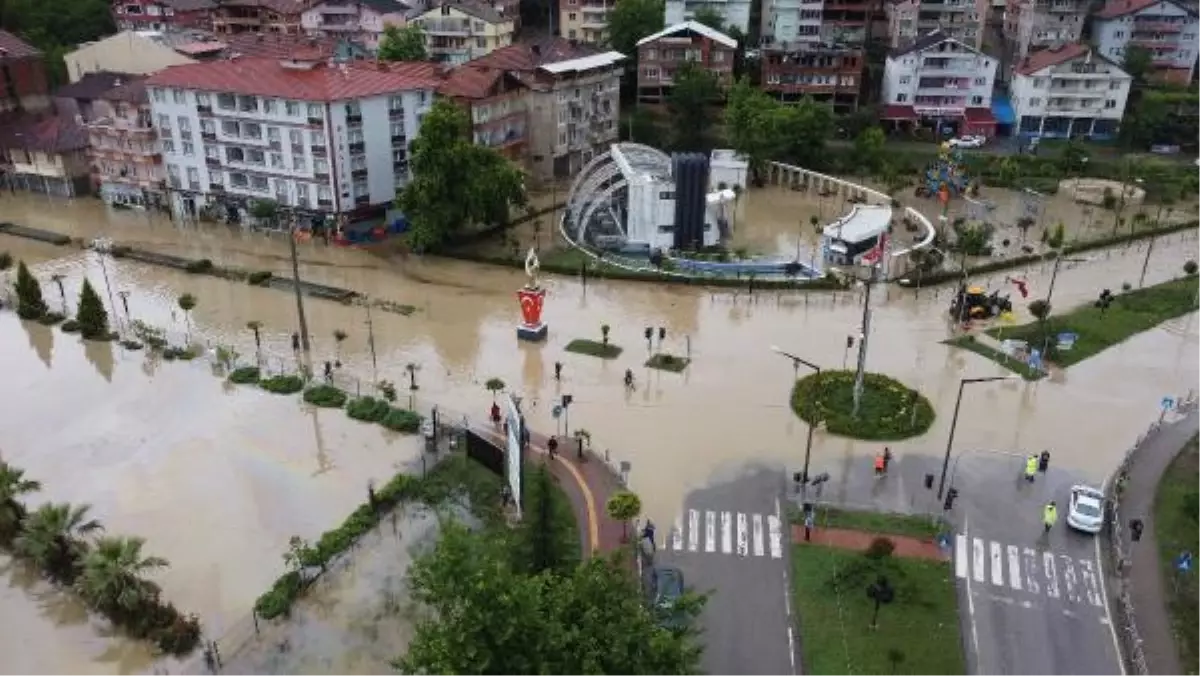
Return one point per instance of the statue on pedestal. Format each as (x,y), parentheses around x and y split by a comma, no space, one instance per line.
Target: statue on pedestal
(532,297)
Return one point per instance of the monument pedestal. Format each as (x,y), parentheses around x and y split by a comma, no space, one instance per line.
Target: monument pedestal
(532,328)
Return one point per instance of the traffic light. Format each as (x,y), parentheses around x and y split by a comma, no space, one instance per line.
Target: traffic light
(566,400)
(950,496)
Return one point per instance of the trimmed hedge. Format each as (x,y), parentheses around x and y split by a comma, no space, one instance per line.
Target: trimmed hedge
(368,409)
(325,396)
(668,362)
(260,278)
(401,420)
(51,318)
(282,384)
(199,267)
(244,375)
(594,348)
(70,326)
(885,411)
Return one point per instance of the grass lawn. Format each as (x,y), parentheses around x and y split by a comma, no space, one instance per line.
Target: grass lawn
(889,409)
(594,348)
(888,523)
(918,632)
(1015,365)
(1130,314)
(668,362)
(1176,528)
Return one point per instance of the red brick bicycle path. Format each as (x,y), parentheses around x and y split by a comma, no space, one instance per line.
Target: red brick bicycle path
(588,483)
(906,546)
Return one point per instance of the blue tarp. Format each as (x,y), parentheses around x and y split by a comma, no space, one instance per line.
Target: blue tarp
(1002,110)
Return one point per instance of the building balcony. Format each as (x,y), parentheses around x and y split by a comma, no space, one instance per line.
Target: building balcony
(324,204)
(462,28)
(212,163)
(1157,26)
(208,136)
(321,176)
(297,150)
(204,110)
(362,200)
(316,122)
(356,148)
(318,151)
(400,141)
(358,173)
(354,120)
(395,113)
(400,166)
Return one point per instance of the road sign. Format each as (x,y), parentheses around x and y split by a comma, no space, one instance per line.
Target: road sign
(556,411)
(1035,359)
(943,541)
(1066,340)
(1167,403)
(1184,562)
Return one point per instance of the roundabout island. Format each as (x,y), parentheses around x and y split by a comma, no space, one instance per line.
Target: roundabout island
(888,411)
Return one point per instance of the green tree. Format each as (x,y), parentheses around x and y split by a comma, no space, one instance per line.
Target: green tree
(632,20)
(1189,268)
(187,302)
(1145,122)
(868,148)
(91,315)
(488,618)
(13,485)
(690,103)
(494,385)
(710,17)
(641,125)
(623,506)
(754,124)
(112,577)
(456,184)
(53,538)
(1138,63)
(547,539)
(1057,237)
(402,43)
(30,304)
(57,27)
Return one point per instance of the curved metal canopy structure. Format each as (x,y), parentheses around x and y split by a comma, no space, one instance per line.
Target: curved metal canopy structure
(598,200)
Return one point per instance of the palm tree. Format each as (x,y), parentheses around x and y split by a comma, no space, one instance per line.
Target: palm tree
(186,302)
(52,538)
(13,485)
(112,574)
(338,336)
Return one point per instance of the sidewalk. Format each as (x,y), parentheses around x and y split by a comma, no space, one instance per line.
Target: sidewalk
(1146,586)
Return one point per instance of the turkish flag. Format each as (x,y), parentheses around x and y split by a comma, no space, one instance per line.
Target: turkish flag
(1022,286)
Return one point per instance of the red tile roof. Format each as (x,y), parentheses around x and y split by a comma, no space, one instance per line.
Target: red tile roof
(471,82)
(529,56)
(1051,56)
(51,135)
(320,82)
(130,92)
(1116,8)
(273,46)
(12,47)
(277,6)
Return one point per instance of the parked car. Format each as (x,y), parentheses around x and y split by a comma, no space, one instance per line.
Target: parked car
(1086,511)
(666,586)
(968,142)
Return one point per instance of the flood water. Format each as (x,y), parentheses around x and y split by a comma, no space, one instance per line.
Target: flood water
(218,478)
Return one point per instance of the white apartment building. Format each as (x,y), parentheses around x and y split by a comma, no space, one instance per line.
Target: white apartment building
(316,138)
(458,31)
(1168,30)
(1069,91)
(938,78)
(736,13)
(361,20)
(1033,24)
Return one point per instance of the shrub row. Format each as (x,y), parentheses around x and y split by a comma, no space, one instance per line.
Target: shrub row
(282,384)
(325,396)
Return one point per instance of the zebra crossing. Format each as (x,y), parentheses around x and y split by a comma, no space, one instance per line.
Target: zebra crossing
(740,534)
(1027,570)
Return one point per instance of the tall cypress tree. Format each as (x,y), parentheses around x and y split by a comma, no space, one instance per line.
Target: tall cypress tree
(92,317)
(30,304)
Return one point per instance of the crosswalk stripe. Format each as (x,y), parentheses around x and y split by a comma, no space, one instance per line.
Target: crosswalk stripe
(960,555)
(710,531)
(693,530)
(677,534)
(997,565)
(1089,583)
(1069,578)
(743,547)
(1014,567)
(1051,575)
(977,552)
(758,535)
(726,533)
(1031,567)
(775,533)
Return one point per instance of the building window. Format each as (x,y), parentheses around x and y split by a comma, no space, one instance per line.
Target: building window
(295,137)
(1038,82)
(651,54)
(1119,34)
(229,127)
(212,152)
(1035,101)
(203,99)
(238,180)
(358,163)
(718,56)
(360,188)
(292,108)
(276,160)
(314,110)
(395,103)
(298,163)
(158,95)
(980,81)
(320,166)
(904,79)
(259,183)
(901,98)
(317,138)
(178,96)
(208,127)
(650,73)
(164,123)
(352,108)
(397,129)
(185,126)
(188,148)
(571,16)
(1109,104)
(252,130)
(324,193)
(269,106)
(193,178)
(272,133)
(977,100)
(168,145)
(226,101)
(354,137)
(480,43)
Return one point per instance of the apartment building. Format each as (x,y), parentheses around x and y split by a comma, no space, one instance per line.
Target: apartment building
(827,72)
(362,21)
(259,16)
(23,74)
(161,15)
(660,55)
(584,20)
(1034,24)
(44,155)
(963,20)
(124,156)
(940,80)
(292,131)
(496,101)
(461,30)
(1069,91)
(733,13)
(794,22)
(573,100)
(1167,30)
(134,52)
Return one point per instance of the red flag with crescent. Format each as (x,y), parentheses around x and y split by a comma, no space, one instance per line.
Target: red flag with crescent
(1022,286)
(875,253)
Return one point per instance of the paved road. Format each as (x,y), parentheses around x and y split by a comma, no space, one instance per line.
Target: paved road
(730,539)
(1034,603)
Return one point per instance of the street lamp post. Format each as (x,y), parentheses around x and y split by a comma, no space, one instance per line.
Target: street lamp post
(954,424)
(796,362)
(104,246)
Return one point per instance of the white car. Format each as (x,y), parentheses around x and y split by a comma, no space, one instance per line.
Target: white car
(968,142)
(1086,512)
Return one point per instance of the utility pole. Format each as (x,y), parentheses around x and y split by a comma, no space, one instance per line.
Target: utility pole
(305,344)
(862,342)
(1146,262)
(371,344)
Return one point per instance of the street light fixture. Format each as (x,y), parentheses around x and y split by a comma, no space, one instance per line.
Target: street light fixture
(796,362)
(954,424)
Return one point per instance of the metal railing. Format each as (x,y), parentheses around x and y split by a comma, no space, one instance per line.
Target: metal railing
(1133,653)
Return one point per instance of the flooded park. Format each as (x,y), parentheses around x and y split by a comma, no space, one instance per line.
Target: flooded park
(218,478)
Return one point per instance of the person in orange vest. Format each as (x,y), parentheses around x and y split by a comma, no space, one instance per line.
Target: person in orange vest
(880,465)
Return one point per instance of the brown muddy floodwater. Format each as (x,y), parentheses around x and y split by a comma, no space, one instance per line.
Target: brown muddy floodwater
(217,478)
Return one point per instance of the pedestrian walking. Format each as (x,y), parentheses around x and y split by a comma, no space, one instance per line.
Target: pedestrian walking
(552,447)
(495,413)
(880,466)
(887,458)
(1136,527)
(1049,516)
(1031,467)
(558,370)
(809,523)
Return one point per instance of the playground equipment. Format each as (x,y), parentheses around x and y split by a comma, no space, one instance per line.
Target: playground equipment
(975,303)
(946,177)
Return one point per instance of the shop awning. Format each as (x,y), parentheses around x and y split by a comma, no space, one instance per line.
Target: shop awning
(1003,111)
(978,116)
(898,113)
